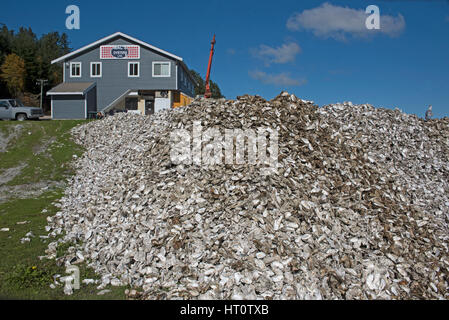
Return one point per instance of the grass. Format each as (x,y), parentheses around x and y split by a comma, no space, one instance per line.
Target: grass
(52,162)
(22,274)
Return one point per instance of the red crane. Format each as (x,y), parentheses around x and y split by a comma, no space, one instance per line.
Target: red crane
(208,94)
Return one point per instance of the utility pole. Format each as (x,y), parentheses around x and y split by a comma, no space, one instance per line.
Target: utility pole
(42,82)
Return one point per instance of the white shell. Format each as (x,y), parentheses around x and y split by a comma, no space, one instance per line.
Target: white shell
(358,208)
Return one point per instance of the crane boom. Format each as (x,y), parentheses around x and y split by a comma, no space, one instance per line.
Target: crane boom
(208,94)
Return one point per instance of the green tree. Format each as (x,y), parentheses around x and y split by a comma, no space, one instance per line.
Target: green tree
(201,86)
(24,44)
(5,49)
(215,90)
(5,42)
(51,46)
(37,54)
(13,73)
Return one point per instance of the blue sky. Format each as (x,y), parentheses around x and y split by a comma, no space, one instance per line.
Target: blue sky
(315,49)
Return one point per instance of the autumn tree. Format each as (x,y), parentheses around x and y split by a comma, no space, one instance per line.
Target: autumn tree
(37,54)
(13,73)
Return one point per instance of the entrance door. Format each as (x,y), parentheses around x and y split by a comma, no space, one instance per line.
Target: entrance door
(161,103)
(149,107)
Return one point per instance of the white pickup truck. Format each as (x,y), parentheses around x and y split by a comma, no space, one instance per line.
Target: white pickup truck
(13,109)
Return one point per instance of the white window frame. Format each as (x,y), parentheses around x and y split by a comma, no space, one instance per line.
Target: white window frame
(101,69)
(138,69)
(71,69)
(162,76)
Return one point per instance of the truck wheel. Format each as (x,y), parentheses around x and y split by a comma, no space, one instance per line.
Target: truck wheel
(21,117)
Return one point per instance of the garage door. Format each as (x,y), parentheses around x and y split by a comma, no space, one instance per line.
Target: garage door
(69,107)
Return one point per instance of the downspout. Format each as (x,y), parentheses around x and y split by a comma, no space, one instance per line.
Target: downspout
(176,75)
(85,106)
(173,93)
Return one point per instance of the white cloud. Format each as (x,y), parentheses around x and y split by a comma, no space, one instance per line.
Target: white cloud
(337,22)
(281,79)
(231,51)
(283,54)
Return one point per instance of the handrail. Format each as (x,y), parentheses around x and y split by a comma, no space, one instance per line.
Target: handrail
(105,109)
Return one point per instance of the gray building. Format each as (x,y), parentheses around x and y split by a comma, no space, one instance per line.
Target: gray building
(120,72)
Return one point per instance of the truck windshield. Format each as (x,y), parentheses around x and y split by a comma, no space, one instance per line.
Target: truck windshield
(16,103)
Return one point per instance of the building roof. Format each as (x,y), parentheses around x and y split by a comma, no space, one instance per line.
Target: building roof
(72,88)
(117,34)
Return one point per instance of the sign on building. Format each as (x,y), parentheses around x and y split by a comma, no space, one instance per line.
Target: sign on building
(120,52)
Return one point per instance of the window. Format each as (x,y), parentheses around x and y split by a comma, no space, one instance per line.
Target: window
(133,69)
(75,69)
(4,104)
(95,69)
(16,103)
(131,103)
(161,69)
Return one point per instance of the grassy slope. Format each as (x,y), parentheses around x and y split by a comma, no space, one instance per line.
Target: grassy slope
(22,274)
(51,164)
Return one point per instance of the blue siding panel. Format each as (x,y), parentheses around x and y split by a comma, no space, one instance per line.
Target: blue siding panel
(114,80)
(184,81)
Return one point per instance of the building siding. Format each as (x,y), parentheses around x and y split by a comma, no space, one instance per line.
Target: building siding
(184,81)
(181,100)
(68,107)
(114,80)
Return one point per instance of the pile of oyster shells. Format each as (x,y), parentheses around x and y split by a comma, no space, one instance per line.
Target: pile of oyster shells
(358,208)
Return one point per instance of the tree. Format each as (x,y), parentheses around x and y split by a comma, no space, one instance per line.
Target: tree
(37,54)
(51,46)
(215,90)
(13,73)
(201,86)
(5,49)
(24,44)
(5,42)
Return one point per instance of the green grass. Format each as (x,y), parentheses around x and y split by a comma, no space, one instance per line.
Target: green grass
(52,163)
(22,274)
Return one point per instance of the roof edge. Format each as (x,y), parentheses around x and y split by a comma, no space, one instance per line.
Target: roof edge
(68,55)
(50,93)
